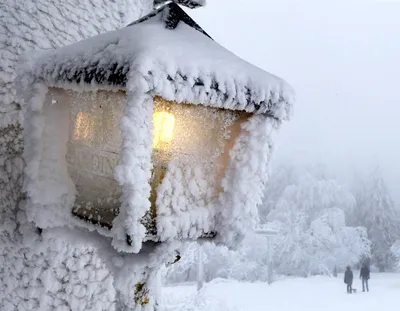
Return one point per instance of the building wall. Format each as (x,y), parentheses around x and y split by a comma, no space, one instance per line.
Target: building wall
(46,273)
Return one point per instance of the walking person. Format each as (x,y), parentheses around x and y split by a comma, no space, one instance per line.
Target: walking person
(364,276)
(348,279)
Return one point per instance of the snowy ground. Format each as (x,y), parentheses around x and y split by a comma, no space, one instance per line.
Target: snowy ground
(315,293)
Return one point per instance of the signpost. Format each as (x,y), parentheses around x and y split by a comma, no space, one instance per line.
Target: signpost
(200,267)
(269,233)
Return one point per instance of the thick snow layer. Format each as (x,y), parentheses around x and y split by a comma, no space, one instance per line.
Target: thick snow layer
(66,269)
(311,294)
(52,274)
(134,169)
(44,24)
(245,179)
(180,64)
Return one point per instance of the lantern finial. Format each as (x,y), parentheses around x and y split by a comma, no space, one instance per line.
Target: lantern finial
(192,4)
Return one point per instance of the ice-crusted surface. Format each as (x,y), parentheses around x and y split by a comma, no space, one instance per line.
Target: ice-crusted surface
(54,275)
(43,24)
(70,269)
(46,181)
(47,275)
(180,64)
(245,179)
(134,169)
(183,208)
(187,195)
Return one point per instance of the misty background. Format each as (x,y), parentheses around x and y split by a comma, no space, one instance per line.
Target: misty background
(342,59)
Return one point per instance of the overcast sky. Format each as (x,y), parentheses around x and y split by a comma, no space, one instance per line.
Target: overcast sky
(343,60)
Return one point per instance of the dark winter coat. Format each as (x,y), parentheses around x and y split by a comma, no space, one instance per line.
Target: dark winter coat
(348,277)
(364,273)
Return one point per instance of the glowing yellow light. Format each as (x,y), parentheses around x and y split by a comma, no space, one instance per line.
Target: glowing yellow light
(83,126)
(164,123)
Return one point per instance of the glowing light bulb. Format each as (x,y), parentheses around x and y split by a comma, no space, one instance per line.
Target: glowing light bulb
(164,123)
(83,126)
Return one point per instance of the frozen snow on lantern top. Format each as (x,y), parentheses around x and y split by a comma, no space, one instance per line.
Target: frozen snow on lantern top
(191,146)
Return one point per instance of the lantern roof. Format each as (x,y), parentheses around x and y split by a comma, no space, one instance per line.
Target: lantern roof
(175,58)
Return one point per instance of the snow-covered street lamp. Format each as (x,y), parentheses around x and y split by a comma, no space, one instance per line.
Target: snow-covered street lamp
(151,133)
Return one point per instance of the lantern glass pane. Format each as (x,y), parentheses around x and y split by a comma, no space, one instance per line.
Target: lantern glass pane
(198,141)
(93,153)
(191,161)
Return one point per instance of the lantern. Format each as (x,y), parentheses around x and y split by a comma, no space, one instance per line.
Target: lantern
(143,135)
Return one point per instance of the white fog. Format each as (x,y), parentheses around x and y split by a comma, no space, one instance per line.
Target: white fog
(342,58)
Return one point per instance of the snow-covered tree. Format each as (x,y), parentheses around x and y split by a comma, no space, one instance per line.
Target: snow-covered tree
(313,235)
(376,211)
(282,176)
(317,185)
(395,251)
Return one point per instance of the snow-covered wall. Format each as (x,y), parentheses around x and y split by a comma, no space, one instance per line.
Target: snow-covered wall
(33,277)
